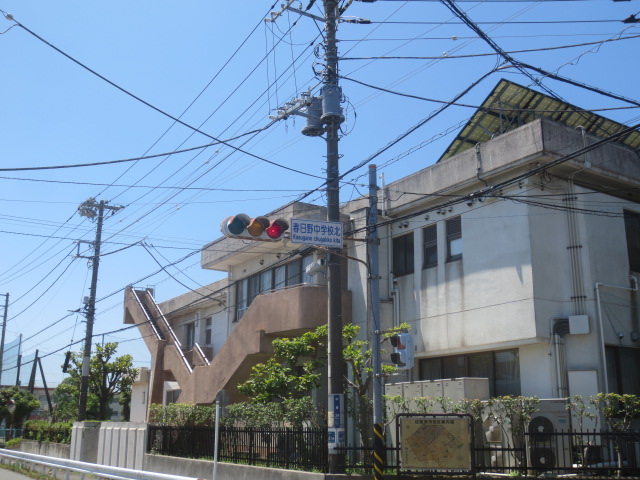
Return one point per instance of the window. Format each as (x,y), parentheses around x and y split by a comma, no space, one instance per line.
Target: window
(191,335)
(403,255)
(632,229)
(208,331)
(623,376)
(501,368)
(454,239)
(430,244)
(241,298)
(268,280)
(294,272)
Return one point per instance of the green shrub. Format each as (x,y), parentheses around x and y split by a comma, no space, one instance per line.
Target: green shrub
(14,442)
(43,431)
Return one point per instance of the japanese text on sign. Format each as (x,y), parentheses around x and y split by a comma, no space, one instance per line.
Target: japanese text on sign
(316,232)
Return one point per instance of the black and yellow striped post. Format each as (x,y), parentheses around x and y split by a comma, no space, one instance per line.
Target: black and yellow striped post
(379,454)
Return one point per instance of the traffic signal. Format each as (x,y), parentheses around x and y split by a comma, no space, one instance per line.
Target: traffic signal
(402,354)
(258,228)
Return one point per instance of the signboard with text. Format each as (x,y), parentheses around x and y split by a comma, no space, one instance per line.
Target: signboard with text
(316,232)
(438,443)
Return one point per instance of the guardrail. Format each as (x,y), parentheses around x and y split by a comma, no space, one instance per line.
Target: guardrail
(52,466)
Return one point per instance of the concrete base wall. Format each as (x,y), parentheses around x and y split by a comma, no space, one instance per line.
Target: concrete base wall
(122,444)
(58,450)
(84,441)
(204,469)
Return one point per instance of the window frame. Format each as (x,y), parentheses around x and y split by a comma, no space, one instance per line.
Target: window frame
(632,235)
(403,244)
(430,241)
(208,331)
(453,228)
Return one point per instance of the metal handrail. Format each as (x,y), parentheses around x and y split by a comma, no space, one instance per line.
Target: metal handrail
(149,320)
(101,471)
(197,348)
(176,342)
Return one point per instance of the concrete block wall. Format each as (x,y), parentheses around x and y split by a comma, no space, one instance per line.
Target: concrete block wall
(84,441)
(122,444)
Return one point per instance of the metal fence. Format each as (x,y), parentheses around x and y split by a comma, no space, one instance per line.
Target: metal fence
(582,453)
(9,433)
(290,448)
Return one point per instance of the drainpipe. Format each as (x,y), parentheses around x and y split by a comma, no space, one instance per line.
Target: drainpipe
(559,330)
(603,360)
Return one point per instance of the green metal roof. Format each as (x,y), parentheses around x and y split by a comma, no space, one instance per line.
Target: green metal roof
(510,105)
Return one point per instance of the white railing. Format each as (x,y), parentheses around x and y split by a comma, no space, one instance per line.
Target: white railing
(150,321)
(204,358)
(64,465)
(172,334)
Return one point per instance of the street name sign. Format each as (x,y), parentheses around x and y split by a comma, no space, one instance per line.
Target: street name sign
(316,232)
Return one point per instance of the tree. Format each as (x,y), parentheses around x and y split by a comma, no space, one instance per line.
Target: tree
(107,379)
(294,370)
(24,402)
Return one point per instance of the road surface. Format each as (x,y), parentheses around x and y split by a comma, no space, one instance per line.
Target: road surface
(11,475)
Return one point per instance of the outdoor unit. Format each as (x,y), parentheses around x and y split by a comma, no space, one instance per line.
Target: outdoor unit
(496,439)
(544,449)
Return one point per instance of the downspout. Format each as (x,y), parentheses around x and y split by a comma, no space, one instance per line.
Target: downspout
(603,357)
(393,283)
(559,330)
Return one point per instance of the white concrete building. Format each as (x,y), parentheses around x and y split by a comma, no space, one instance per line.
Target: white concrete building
(528,280)
(511,259)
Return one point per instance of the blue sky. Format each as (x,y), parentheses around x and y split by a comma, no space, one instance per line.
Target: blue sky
(223,70)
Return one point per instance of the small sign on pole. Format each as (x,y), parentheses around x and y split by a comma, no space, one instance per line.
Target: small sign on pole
(316,232)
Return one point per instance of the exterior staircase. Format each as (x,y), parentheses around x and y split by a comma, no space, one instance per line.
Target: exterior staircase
(283,313)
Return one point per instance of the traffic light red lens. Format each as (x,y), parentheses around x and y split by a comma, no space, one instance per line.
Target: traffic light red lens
(275,230)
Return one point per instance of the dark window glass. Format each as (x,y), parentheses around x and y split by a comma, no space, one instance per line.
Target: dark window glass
(241,298)
(430,368)
(430,241)
(403,255)
(208,330)
(501,368)
(454,239)
(454,367)
(507,367)
(254,288)
(480,365)
(191,335)
(623,375)
(294,272)
(632,229)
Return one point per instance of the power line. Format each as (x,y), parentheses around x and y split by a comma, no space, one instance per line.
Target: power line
(153,107)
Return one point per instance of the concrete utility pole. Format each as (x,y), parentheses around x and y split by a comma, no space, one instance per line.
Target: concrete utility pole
(324,116)
(332,117)
(90,208)
(379,454)
(4,331)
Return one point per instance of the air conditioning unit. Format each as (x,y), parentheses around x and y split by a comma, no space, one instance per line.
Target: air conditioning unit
(496,440)
(546,449)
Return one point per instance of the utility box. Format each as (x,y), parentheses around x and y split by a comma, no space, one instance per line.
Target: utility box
(466,388)
(432,389)
(411,391)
